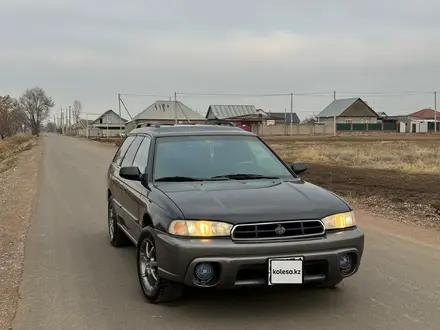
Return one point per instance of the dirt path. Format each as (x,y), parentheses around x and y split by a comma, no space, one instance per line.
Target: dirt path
(18,188)
(408,198)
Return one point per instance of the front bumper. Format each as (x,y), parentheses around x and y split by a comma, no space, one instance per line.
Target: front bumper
(243,264)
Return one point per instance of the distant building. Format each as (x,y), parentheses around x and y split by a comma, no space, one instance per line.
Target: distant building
(165,112)
(284,117)
(79,128)
(347,111)
(109,123)
(244,116)
(421,121)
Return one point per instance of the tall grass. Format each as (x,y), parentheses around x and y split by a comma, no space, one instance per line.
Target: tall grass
(405,156)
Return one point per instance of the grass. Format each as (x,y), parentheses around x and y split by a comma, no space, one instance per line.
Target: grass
(11,147)
(409,156)
(408,153)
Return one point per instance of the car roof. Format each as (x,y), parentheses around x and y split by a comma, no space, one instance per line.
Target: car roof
(189,130)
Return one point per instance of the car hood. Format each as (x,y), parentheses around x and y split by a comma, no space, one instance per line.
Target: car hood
(253,200)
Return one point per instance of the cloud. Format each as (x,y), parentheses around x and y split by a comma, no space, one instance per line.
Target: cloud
(92,50)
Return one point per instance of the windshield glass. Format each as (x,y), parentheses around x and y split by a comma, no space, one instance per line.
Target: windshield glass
(204,157)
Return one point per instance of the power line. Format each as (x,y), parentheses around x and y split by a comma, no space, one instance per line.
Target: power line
(385,94)
(142,95)
(253,95)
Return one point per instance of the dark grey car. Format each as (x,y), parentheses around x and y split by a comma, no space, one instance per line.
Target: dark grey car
(214,206)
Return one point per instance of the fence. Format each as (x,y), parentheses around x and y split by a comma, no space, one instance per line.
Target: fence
(366,127)
(295,129)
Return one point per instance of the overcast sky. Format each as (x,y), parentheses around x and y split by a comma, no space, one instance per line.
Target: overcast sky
(93,49)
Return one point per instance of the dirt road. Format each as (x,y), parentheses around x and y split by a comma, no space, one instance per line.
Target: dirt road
(74,279)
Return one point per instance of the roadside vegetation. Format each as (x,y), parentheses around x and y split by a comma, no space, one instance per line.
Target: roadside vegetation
(393,176)
(11,147)
(409,156)
(20,153)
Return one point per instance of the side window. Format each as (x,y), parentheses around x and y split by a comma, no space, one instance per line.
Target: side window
(123,149)
(141,158)
(131,152)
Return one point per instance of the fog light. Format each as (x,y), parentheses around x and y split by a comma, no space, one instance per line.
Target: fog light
(204,272)
(345,261)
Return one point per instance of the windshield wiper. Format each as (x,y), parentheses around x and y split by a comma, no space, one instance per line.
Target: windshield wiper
(245,176)
(177,179)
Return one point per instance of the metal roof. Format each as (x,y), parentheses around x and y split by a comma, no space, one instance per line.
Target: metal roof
(230,111)
(285,116)
(425,114)
(166,110)
(337,107)
(110,117)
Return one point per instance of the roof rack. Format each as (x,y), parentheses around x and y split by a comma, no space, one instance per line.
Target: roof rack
(153,125)
(208,122)
(219,122)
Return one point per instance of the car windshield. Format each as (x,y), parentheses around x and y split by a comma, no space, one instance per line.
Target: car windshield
(193,158)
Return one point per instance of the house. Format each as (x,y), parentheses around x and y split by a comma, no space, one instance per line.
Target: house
(284,117)
(348,111)
(165,112)
(243,116)
(382,115)
(109,123)
(79,128)
(420,121)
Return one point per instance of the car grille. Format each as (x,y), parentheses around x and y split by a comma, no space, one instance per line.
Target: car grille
(278,230)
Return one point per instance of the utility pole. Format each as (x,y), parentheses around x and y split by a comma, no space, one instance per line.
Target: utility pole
(87,125)
(55,122)
(62,122)
(106,120)
(70,121)
(291,113)
(435,112)
(334,95)
(120,116)
(175,107)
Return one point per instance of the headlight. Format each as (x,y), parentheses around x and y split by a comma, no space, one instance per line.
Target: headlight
(340,221)
(199,228)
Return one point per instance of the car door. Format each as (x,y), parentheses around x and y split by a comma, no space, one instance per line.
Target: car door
(136,191)
(115,182)
(129,211)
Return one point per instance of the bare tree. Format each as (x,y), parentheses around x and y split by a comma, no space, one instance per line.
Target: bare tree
(51,127)
(35,105)
(76,111)
(11,118)
(309,120)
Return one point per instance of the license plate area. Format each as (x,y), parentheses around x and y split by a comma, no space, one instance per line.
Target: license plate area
(286,270)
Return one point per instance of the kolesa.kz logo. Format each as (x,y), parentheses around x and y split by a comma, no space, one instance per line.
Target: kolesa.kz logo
(286,272)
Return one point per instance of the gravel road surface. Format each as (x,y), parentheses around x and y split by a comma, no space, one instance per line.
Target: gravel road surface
(74,279)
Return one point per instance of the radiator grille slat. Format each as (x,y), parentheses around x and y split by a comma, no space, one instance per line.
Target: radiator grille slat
(278,230)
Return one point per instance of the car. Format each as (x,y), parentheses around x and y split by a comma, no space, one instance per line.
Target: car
(213,206)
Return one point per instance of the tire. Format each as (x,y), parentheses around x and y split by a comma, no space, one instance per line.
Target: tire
(154,288)
(116,235)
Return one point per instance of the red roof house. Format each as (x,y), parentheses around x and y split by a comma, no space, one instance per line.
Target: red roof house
(425,114)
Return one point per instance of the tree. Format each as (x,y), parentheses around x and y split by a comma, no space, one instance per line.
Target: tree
(11,118)
(76,111)
(309,120)
(51,127)
(35,105)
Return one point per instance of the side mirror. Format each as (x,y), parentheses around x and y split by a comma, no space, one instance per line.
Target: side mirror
(130,173)
(298,167)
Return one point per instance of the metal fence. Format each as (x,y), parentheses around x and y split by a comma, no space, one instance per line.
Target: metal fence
(377,127)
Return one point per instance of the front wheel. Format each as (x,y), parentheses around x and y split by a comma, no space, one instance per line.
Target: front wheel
(154,288)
